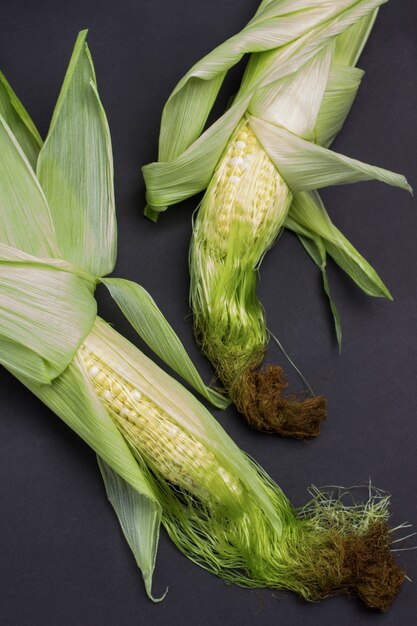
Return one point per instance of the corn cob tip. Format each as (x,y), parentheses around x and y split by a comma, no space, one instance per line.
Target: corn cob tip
(259,396)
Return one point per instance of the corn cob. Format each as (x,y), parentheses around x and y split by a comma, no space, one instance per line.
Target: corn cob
(247,192)
(180,458)
(239,219)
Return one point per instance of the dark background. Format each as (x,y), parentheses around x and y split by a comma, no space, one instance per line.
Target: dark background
(63,558)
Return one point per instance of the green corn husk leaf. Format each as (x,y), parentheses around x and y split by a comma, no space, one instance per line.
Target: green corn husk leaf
(14,255)
(75,169)
(27,288)
(350,43)
(24,362)
(344,81)
(191,171)
(148,321)
(306,166)
(139,520)
(330,20)
(19,121)
(72,398)
(26,220)
(294,101)
(309,212)
(45,310)
(338,98)
(334,311)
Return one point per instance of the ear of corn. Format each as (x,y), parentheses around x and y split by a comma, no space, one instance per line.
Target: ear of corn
(218,507)
(39,265)
(297,89)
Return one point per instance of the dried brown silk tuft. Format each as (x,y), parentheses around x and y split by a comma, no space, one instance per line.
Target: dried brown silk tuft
(259,395)
(360,565)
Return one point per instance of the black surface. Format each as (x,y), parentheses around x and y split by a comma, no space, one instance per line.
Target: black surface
(63,558)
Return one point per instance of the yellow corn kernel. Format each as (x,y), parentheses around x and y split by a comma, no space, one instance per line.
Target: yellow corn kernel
(246,189)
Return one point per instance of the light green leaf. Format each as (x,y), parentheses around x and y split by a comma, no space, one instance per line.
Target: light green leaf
(314,246)
(308,211)
(25,362)
(344,80)
(351,42)
(354,264)
(26,222)
(19,121)
(139,519)
(306,166)
(148,321)
(337,101)
(75,168)
(45,310)
(15,255)
(338,98)
(333,308)
(173,181)
(294,101)
(325,21)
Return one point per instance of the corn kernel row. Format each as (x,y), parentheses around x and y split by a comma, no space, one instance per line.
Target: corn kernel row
(246,191)
(152,434)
